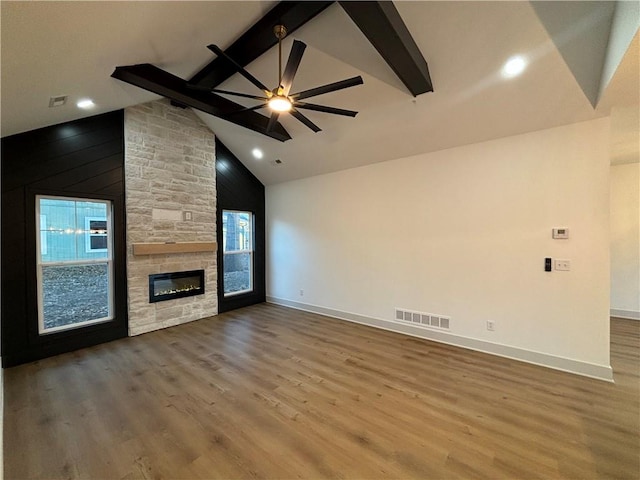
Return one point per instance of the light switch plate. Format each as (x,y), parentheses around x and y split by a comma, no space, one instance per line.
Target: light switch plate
(560,233)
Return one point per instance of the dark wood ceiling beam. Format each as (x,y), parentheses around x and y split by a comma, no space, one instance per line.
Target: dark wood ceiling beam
(163,83)
(378,20)
(382,25)
(258,39)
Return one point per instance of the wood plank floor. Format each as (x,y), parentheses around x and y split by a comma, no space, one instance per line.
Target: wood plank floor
(270,392)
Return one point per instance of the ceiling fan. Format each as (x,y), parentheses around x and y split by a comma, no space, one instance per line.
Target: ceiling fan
(279,100)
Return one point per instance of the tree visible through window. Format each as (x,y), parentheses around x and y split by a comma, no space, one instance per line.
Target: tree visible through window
(237,247)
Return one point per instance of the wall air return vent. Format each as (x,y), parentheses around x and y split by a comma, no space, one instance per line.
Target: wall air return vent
(422,319)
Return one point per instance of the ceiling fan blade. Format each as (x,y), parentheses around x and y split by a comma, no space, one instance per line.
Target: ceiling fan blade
(225,92)
(305,120)
(238,94)
(218,51)
(247,109)
(331,87)
(297,50)
(322,108)
(272,120)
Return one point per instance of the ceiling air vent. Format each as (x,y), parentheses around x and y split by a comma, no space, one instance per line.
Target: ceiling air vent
(58,101)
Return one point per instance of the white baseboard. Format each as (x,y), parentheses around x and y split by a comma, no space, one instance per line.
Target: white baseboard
(628,314)
(599,372)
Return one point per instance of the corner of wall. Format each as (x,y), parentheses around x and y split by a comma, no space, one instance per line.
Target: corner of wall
(625,241)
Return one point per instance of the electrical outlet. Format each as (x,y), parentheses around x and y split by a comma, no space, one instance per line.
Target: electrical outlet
(562,265)
(187,216)
(301,292)
(491,325)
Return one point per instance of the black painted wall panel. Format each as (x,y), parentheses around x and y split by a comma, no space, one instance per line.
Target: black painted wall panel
(68,179)
(25,174)
(84,158)
(100,184)
(238,189)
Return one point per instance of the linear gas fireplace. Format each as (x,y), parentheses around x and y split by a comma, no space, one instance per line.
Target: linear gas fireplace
(167,286)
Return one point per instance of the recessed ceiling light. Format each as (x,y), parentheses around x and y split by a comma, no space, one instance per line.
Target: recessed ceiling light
(85,103)
(257,153)
(514,67)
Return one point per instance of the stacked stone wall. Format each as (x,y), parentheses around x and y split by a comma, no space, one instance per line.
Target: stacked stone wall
(169,171)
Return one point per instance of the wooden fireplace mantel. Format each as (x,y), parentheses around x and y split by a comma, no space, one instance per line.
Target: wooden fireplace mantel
(173,247)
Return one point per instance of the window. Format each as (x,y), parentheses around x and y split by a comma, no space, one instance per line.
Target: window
(43,234)
(237,248)
(96,239)
(74,262)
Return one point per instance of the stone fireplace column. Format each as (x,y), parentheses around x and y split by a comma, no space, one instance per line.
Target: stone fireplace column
(170,185)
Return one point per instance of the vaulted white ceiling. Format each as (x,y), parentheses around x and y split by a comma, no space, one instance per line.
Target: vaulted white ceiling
(71,48)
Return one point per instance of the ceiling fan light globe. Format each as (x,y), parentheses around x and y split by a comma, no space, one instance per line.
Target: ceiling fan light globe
(280,104)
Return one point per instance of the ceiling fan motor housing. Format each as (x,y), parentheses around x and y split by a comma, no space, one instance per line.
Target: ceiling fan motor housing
(280,31)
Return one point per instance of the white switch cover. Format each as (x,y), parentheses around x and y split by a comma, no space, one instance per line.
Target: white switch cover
(562,265)
(560,233)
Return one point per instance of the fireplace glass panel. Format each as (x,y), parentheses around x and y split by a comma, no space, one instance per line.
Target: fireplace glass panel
(166,286)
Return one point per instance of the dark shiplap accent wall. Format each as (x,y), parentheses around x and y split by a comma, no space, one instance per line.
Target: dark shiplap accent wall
(84,158)
(239,189)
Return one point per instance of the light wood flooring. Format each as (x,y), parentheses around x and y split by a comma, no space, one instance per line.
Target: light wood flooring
(270,392)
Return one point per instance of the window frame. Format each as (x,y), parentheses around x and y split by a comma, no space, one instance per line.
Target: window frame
(109,260)
(42,246)
(87,239)
(250,251)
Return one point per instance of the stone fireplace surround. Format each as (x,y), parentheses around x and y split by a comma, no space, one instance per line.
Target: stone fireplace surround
(169,170)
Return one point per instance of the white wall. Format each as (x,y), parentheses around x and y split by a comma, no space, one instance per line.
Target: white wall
(624,25)
(625,240)
(461,232)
